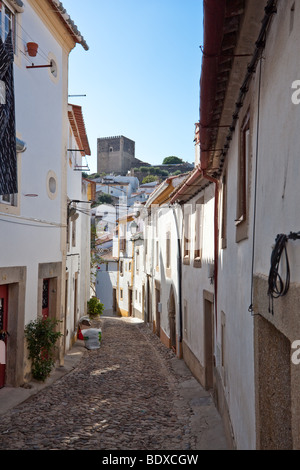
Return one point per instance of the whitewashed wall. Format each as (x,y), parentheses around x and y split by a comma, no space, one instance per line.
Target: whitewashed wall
(41,121)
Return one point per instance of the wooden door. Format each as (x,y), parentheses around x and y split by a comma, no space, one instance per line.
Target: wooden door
(3,330)
(208,343)
(157,291)
(130,302)
(45,303)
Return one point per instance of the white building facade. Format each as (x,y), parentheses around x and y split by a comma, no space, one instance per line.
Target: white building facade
(34,221)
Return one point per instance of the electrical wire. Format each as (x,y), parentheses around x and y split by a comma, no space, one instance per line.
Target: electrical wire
(277,287)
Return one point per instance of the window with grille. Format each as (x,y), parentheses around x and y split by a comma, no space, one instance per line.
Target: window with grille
(7,22)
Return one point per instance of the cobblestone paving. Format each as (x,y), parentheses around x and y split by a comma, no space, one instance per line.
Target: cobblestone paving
(123,396)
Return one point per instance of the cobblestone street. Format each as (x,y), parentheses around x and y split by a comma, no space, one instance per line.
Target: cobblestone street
(131,394)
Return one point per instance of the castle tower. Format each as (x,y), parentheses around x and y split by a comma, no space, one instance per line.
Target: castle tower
(115,155)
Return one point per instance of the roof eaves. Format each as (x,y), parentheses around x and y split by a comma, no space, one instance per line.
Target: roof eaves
(69,23)
(78,127)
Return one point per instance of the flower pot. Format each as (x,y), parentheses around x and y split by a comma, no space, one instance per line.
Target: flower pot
(32,48)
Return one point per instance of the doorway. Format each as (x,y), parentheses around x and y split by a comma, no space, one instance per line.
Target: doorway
(45,298)
(172,320)
(208,343)
(130,302)
(3,329)
(158,308)
(75,305)
(114,305)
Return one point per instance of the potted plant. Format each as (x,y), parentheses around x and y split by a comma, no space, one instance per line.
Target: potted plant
(32,48)
(41,336)
(94,307)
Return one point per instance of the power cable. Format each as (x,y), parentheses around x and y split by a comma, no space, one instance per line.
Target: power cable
(277,287)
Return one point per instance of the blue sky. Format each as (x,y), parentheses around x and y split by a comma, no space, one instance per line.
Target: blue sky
(141,74)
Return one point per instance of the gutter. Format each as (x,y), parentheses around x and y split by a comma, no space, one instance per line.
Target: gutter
(189,182)
(214,17)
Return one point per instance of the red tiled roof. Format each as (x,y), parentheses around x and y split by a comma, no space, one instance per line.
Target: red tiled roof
(78,127)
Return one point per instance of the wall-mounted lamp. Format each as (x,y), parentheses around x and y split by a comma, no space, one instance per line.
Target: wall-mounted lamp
(133,227)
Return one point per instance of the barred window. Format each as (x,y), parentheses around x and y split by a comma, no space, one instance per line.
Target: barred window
(7,22)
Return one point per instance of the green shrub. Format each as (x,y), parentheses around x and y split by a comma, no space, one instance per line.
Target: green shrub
(149,179)
(41,338)
(94,307)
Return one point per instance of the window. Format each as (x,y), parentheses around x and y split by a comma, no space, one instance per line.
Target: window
(198,232)
(168,251)
(7,22)
(121,268)
(186,244)
(223,346)
(121,294)
(242,171)
(122,238)
(9,199)
(137,260)
(224,212)
(243,177)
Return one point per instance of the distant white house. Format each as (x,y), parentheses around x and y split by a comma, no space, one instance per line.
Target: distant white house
(106,281)
(105,219)
(118,186)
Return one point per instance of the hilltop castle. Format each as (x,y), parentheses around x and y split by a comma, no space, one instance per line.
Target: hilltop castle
(116,155)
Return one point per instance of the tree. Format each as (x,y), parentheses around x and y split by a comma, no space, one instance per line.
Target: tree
(172,160)
(149,179)
(105,199)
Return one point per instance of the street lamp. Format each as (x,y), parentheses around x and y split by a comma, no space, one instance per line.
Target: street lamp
(133,227)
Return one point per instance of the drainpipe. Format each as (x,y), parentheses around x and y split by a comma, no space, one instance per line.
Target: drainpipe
(216,237)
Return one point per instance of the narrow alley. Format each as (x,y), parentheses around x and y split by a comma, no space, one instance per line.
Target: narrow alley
(131,394)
